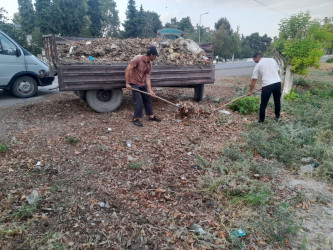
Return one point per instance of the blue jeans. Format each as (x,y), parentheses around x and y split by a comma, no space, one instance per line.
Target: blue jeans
(266,92)
(141,100)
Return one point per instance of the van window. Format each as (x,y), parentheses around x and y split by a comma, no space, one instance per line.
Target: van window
(6,46)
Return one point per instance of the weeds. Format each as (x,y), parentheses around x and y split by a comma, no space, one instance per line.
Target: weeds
(135,165)
(246,105)
(72,140)
(24,212)
(3,148)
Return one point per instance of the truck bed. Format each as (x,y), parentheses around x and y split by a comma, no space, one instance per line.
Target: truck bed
(88,76)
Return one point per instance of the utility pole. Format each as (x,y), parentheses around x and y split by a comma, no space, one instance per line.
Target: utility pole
(200,24)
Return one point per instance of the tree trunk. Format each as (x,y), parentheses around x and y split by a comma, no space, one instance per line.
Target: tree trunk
(233,57)
(288,81)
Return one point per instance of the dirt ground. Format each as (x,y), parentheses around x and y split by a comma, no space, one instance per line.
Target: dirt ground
(95,191)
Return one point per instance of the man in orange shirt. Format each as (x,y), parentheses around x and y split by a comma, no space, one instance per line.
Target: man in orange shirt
(136,73)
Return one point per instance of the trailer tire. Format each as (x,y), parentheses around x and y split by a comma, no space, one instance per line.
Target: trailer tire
(104,101)
(24,87)
(199,92)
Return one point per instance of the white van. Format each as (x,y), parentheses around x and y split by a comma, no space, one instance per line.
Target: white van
(21,72)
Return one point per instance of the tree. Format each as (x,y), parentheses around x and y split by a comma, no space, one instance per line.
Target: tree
(110,18)
(71,16)
(222,42)
(141,22)
(3,17)
(130,24)
(185,24)
(95,16)
(235,43)
(173,23)
(225,23)
(328,25)
(43,12)
(224,39)
(299,46)
(151,24)
(27,15)
(258,43)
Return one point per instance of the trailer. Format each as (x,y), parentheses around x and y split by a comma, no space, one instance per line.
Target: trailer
(100,84)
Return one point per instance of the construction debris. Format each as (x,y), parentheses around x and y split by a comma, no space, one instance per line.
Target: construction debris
(178,52)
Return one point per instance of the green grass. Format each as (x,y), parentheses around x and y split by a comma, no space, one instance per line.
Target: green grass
(72,140)
(24,212)
(307,133)
(135,165)
(3,148)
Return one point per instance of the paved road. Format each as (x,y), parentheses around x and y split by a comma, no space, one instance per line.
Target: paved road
(6,99)
(234,69)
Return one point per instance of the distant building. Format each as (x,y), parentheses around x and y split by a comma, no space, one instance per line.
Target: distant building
(169,33)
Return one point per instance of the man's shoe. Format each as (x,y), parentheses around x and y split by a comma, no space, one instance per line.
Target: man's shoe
(137,123)
(276,119)
(155,119)
(260,121)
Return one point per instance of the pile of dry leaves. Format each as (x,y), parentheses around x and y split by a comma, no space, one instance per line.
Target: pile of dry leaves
(178,52)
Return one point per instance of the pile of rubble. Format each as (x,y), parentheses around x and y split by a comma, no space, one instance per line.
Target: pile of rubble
(178,52)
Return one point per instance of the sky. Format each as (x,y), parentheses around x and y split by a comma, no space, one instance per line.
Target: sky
(249,16)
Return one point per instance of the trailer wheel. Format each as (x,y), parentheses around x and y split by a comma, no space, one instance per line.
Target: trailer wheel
(104,101)
(199,92)
(24,87)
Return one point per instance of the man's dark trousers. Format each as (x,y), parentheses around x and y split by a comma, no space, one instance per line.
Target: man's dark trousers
(140,100)
(266,92)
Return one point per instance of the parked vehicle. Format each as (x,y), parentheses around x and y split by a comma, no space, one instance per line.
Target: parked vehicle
(21,72)
(169,33)
(100,84)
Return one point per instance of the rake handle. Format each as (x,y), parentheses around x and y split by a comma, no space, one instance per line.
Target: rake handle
(238,98)
(143,92)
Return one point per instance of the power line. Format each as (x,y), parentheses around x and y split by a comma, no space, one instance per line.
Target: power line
(272,8)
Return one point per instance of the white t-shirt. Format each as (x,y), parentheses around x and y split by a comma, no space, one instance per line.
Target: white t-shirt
(268,69)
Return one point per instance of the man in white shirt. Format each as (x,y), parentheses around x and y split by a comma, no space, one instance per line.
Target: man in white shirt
(268,70)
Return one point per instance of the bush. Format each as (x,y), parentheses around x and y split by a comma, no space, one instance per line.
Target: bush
(330,60)
(292,96)
(246,105)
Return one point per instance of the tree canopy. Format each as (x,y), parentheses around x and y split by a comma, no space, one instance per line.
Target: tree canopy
(300,45)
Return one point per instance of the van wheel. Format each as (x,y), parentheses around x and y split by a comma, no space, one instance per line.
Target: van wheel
(199,92)
(24,86)
(104,101)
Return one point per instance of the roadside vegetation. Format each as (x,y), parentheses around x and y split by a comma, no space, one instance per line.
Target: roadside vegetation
(245,182)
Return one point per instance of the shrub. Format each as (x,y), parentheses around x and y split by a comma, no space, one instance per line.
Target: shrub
(292,96)
(246,105)
(330,60)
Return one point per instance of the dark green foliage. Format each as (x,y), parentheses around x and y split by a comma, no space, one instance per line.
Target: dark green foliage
(130,24)
(257,43)
(95,15)
(246,105)
(151,24)
(3,148)
(72,16)
(330,60)
(110,18)
(44,11)
(27,15)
